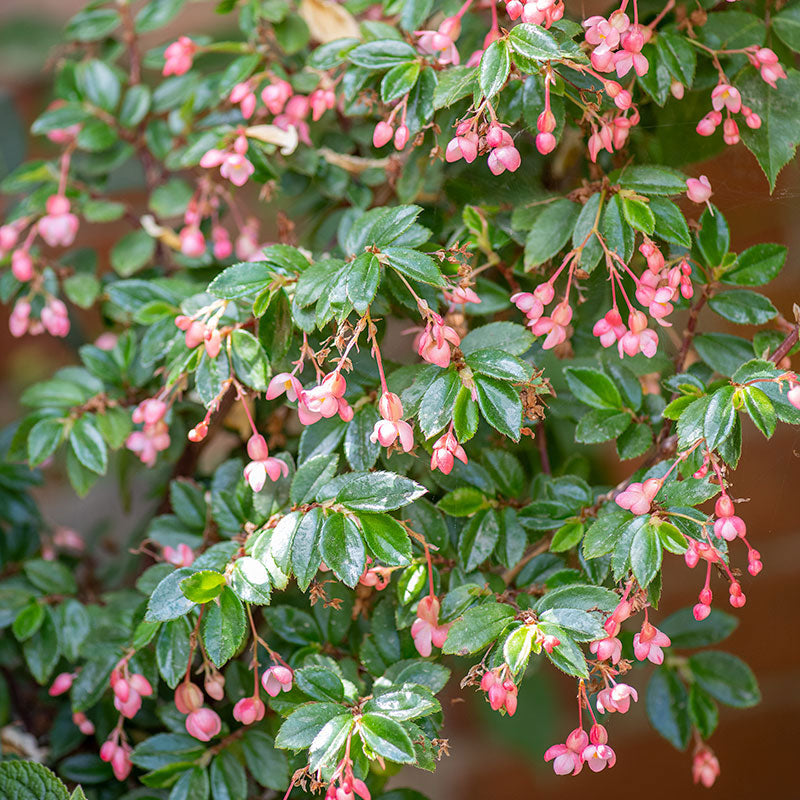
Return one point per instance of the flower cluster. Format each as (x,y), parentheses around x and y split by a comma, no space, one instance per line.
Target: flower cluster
(153,437)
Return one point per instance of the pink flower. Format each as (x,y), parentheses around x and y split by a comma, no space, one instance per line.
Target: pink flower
(257,472)
(698,190)
(567,758)
(441,42)
(59,226)
(284,382)
(529,304)
(726,96)
(598,755)
(648,642)
(729,528)
(277,679)
(188,698)
(705,766)
(793,395)
(180,556)
(178,56)
(554,326)
(237,169)
(500,692)
(118,755)
(445,450)
(639,339)
(426,630)
(599,31)
(434,343)
(461,295)
(249,710)
(610,328)
(193,243)
(204,724)
(325,400)
(19,319)
(149,411)
(391,425)
(463,146)
(638,496)
(616,698)
(275,96)
(608,648)
(55,318)
(22,265)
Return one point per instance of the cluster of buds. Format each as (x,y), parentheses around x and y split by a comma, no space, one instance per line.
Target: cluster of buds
(468,143)
(59,226)
(178,56)
(348,785)
(202,723)
(501,691)
(129,688)
(536,12)
(766,62)
(53,318)
(727,98)
(153,438)
(729,526)
(385,131)
(433,344)
(426,631)
(705,765)
(532,304)
(617,44)
(698,550)
(461,295)
(83,723)
(203,328)
(262,466)
(445,450)
(118,754)
(630,340)
(233,162)
(279,99)
(579,749)
(391,427)
(502,155)
(610,647)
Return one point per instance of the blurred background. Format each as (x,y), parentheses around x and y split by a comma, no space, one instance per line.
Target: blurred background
(492,756)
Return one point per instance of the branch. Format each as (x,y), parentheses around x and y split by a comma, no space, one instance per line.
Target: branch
(786,345)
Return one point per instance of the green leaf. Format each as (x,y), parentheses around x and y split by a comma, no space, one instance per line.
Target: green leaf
(28,621)
(477,628)
(244,280)
(342,548)
(192,785)
(156,14)
(566,656)
(507,336)
(786,24)
(638,215)
(203,586)
(713,240)
(494,68)
(168,601)
(304,723)
(670,222)
(223,627)
(756,266)
(382,54)
(135,105)
(436,405)
(601,424)
(722,352)
(320,683)
(550,232)
(99,84)
(687,632)
(726,678)
(228,778)
(465,415)
(703,711)
(533,42)
(603,535)
(567,537)
(362,281)
(500,405)
(312,475)
(761,410)
(172,651)
(386,538)
(634,441)
(498,364)
(399,80)
(28,780)
(463,502)
(743,306)
(268,766)
(593,387)
(88,445)
(387,738)
(306,556)
(645,555)
(376,491)
(720,417)
(92,24)
(42,650)
(249,360)
(454,83)
(325,750)
(44,438)
(478,539)
(360,451)
(667,704)
(678,55)
(415,265)
(775,142)
(132,252)
(653,179)
(51,577)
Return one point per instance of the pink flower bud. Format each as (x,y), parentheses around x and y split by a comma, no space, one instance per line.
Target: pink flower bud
(545,143)
(188,697)
(401,137)
(249,710)
(61,684)
(382,134)
(698,190)
(204,724)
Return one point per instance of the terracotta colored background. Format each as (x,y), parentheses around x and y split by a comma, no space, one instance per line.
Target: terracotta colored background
(491,757)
